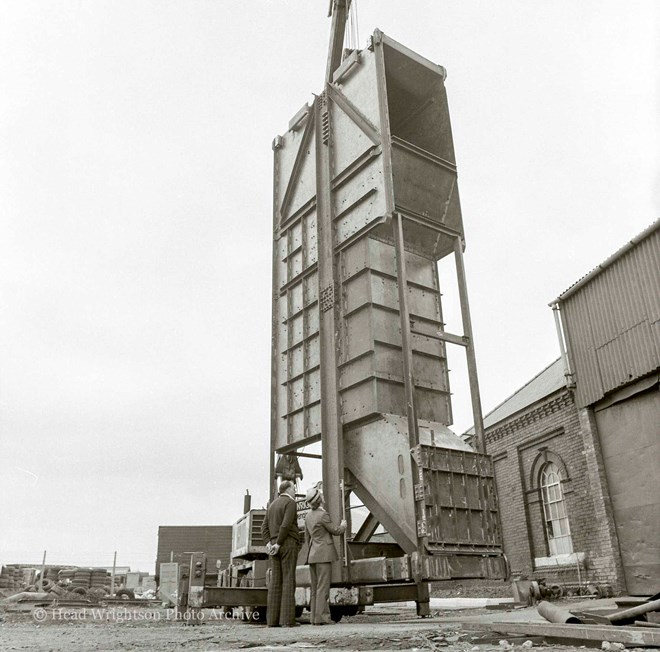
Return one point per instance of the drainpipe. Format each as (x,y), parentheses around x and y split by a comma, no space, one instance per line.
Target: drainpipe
(570,381)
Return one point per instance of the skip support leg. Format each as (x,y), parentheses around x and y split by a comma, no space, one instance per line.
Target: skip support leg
(423,600)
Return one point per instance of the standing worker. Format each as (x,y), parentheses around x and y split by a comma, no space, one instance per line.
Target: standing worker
(320,555)
(280,533)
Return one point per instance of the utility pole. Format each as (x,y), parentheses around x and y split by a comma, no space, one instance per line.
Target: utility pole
(43,571)
(112,578)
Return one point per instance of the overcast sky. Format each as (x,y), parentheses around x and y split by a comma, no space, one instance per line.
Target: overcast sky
(135,229)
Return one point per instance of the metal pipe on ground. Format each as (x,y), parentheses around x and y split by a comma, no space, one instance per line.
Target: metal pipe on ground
(619,617)
(36,596)
(555,614)
(643,623)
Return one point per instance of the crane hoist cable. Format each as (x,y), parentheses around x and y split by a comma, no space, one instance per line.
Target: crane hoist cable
(352,40)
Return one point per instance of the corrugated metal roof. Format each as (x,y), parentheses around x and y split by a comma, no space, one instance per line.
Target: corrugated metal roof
(545,383)
(214,540)
(611,319)
(605,264)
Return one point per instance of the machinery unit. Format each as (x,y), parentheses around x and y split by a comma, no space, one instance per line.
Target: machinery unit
(246,536)
(365,204)
(196,575)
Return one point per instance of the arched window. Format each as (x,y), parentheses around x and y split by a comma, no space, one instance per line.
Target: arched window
(554,511)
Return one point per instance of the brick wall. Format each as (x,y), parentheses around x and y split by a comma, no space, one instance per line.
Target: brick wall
(553,430)
(176,540)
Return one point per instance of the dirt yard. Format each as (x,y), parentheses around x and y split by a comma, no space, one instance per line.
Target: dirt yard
(471,589)
(139,628)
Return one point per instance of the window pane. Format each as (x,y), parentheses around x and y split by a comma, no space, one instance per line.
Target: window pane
(546,496)
(553,511)
(548,493)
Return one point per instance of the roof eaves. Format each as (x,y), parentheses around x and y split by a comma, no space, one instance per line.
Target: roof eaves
(470,431)
(606,263)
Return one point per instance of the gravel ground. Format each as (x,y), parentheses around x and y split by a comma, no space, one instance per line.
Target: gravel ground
(380,628)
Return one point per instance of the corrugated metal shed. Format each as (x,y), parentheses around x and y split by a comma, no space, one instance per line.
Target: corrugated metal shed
(611,319)
(545,383)
(214,540)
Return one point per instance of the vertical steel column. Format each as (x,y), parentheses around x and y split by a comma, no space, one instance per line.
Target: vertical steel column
(411,412)
(404,313)
(332,441)
(477,414)
(339,9)
(274,350)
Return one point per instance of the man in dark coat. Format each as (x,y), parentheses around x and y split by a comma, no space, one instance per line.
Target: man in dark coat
(280,533)
(321,552)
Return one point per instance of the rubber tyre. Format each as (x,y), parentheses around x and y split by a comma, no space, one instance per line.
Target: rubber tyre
(79,590)
(336,613)
(128,594)
(556,591)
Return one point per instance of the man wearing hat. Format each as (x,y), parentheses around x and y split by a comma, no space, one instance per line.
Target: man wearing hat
(279,530)
(321,552)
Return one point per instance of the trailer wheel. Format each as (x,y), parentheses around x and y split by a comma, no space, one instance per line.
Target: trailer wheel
(299,611)
(336,613)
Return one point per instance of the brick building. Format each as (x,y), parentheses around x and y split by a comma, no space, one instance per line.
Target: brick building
(611,324)
(576,451)
(550,486)
(176,542)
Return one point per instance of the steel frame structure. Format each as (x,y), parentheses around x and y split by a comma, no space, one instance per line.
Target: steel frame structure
(306,207)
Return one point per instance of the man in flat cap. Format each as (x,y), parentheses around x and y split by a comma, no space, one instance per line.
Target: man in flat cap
(280,533)
(319,530)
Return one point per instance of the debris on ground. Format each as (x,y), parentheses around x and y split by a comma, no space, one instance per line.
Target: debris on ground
(614,647)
